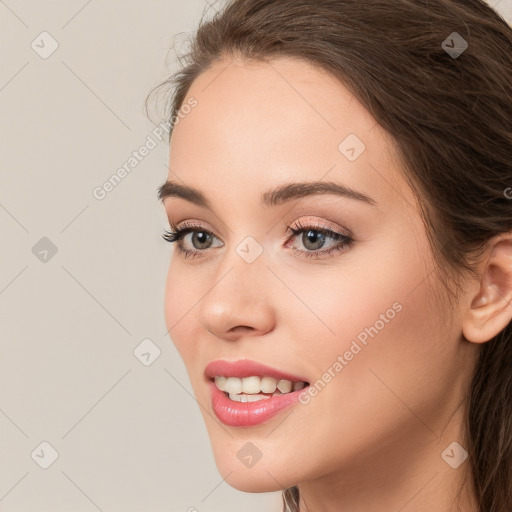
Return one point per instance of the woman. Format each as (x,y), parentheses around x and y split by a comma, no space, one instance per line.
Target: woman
(340,197)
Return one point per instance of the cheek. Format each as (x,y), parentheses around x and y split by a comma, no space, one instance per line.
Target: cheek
(386,329)
(181,293)
(368,293)
(372,306)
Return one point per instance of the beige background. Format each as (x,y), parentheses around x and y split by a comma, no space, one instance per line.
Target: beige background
(129,437)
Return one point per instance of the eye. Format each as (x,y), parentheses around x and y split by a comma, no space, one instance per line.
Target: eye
(200,238)
(313,239)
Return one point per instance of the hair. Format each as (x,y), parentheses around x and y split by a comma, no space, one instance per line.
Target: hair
(450,119)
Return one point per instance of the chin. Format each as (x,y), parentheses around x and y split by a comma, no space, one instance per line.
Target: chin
(262,476)
(250,480)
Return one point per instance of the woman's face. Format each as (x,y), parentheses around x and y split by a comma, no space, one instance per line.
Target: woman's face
(365,319)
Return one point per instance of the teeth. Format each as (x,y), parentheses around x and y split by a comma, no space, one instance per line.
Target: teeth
(247,398)
(251,385)
(268,384)
(233,385)
(255,385)
(285,386)
(220,382)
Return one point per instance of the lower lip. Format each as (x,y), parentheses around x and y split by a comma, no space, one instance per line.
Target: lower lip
(248,414)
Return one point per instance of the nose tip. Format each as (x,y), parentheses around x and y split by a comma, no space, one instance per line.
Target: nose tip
(230,320)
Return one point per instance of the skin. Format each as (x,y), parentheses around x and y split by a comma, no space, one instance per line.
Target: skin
(372,439)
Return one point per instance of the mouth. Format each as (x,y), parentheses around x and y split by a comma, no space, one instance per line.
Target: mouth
(246,393)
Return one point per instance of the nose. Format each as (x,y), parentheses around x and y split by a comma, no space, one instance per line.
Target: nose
(238,300)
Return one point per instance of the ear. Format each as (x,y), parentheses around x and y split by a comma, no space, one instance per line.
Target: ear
(491,304)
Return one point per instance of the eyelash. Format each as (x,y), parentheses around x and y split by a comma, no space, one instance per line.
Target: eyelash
(345,241)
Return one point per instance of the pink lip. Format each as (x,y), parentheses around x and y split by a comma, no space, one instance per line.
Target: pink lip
(247,414)
(246,368)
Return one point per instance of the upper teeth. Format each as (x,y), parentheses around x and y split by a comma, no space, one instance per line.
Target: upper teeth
(254,384)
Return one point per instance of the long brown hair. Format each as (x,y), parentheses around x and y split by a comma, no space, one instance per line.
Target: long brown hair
(450,116)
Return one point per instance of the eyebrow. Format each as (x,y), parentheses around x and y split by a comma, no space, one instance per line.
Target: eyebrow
(277,196)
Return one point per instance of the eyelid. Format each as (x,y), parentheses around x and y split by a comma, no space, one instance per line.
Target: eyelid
(192,225)
(320,224)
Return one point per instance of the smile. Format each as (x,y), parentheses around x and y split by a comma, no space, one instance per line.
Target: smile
(246,393)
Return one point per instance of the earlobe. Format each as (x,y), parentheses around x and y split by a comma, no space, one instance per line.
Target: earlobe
(491,307)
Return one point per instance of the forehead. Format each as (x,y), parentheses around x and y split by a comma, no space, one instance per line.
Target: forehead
(262,103)
(264,123)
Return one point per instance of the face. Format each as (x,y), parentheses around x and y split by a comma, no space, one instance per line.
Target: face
(361,321)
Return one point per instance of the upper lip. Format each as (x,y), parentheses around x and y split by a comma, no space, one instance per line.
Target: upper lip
(246,368)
